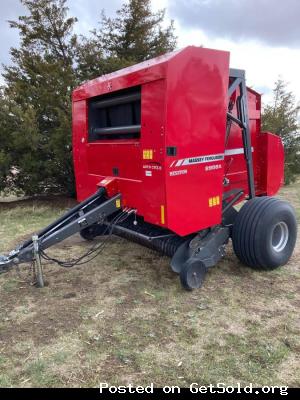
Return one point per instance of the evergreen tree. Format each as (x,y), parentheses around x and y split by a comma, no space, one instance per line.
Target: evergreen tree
(282,118)
(91,61)
(38,99)
(136,34)
(5,149)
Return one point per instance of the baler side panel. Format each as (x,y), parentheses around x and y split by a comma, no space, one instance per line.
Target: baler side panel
(83,189)
(115,156)
(196,125)
(121,159)
(153,153)
(271,159)
(95,161)
(129,161)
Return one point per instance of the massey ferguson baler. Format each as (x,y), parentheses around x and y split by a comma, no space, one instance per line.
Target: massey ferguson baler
(163,152)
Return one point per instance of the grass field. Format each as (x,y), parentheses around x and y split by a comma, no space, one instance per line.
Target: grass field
(124,318)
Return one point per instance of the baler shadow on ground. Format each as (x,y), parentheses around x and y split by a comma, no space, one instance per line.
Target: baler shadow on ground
(123,318)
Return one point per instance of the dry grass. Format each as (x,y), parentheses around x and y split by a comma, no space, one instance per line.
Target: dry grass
(124,318)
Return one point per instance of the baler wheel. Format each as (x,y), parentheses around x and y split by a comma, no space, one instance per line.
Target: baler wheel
(192,275)
(92,231)
(264,233)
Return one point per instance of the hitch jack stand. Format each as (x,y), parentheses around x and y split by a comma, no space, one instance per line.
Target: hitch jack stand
(38,263)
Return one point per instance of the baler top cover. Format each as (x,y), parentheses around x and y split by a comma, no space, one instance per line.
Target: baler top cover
(156,132)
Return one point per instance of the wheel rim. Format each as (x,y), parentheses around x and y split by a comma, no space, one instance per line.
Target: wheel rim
(280,236)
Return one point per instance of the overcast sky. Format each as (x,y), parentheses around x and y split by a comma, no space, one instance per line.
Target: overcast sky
(263,36)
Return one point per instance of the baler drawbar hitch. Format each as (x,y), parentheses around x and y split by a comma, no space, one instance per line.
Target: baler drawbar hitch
(93,210)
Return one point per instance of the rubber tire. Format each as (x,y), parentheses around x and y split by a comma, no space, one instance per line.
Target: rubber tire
(185,275)
(92,231)
(253,229)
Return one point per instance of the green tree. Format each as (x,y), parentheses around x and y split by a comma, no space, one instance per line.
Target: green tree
(37,113)
(91,60)
(5,150)
(281,117)
(135,34)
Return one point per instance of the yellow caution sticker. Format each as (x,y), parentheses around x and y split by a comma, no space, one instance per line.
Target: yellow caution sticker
(214,201)
(162,214)
(148,154)
(118,203)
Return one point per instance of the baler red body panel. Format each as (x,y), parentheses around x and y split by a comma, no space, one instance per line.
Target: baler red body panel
(173,173)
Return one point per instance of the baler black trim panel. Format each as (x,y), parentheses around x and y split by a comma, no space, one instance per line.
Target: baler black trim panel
(115,115)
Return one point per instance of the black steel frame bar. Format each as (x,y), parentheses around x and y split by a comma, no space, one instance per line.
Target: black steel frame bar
(117,100)
(243,122)
(117,130)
